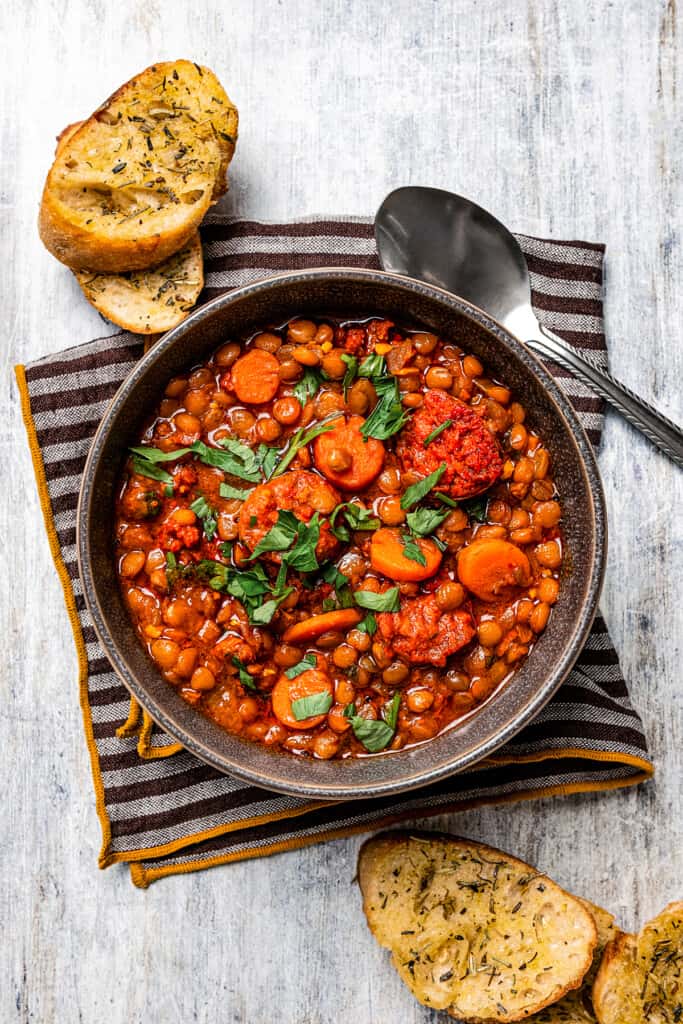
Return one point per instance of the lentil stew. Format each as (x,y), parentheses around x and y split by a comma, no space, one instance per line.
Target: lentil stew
(338,538)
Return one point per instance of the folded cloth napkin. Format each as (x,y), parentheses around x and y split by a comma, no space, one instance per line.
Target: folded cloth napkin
(162,810)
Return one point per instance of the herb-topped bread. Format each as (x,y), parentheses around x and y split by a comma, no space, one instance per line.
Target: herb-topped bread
(473,930)
(149,301)
(640,980)
(130,185)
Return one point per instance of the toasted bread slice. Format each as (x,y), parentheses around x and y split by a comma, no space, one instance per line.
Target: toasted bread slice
(130,185)
(473,930)
(640,980)
(577,1007)
(149,301)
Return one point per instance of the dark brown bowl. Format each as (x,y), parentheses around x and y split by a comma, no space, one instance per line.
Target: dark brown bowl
(350,293)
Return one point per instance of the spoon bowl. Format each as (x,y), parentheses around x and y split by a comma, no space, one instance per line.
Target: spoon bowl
(447,240)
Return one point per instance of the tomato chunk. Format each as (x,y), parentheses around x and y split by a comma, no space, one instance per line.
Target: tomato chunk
(468,448)
(347,458)
(421,633)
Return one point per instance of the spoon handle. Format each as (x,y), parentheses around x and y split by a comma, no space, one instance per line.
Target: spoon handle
(665,434)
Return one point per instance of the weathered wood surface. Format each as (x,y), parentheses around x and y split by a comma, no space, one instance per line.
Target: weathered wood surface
(564,119)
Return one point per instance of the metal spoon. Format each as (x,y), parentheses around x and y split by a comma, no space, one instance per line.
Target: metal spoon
(446,240)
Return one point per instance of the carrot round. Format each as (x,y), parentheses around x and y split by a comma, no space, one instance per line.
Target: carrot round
(310,629)
(256,377)
(387,555)
(487,568)
(285,691)
(347,458)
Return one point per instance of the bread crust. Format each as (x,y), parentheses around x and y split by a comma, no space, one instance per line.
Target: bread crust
(148,301)
(465,922)
(130,185)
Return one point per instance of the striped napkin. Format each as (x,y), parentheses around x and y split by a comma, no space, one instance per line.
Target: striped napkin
(162,810)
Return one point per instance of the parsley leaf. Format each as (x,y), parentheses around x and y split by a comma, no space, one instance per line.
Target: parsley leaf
(203,511)
(476,507)
(150,454)
(416,492)
(308,385)
(412,550)
(245,678)
(308,661)
(290,532)
(351,370)
(171,568)
(368,625)
(232,457)
(386,602)
(235,493)
(151,471)
(375,734)
(356,515)
(424,521)
(447,500)
(262,615)
(316,704)
(388,416)
(435,432)
(372,366)
(300,440)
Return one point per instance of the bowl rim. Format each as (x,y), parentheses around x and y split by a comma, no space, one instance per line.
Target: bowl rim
(524,715)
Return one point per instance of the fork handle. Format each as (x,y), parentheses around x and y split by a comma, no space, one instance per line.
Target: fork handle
(663,432)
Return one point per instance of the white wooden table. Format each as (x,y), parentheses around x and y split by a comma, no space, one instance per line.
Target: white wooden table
(562,119)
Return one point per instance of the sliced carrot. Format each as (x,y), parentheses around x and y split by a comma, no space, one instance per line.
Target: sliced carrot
(345,457)
(309,629)
(285,691)
(256,377)
(388,556)
(488,568)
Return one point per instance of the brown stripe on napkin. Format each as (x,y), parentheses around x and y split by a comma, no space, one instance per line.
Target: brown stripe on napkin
(168,814)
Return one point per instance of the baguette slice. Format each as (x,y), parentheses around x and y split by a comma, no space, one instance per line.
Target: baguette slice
(130,185)
(473,930)
(149,301)
(640,980)
(577,1007)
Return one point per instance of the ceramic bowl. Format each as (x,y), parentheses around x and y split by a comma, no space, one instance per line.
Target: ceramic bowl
(351,294)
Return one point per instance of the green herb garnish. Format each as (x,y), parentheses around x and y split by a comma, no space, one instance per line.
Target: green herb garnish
(476,507)
(245,678)
(446,499)
(368,625)
(203,511)
(424,521)
(435,432)
(308,661)
(308,385)
(153,472)
(150,454)
(351,371)
(386,602)
(171,568)
(388,416)
(300,440)
(292,533)
(416,492)
(412,550)
(316,704)
(235,493)
(375,735)
(357,517)
(372,366)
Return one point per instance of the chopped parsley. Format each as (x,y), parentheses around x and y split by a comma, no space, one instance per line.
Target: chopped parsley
(386,602)
(308,385)
(424,521)
(299,441)
(351,363)
(435,432)
(308,661)
(245,679)
(416,492)
(203,511)
(412,550)
(357,516)
(375,734)
(368,625)
(315,704)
